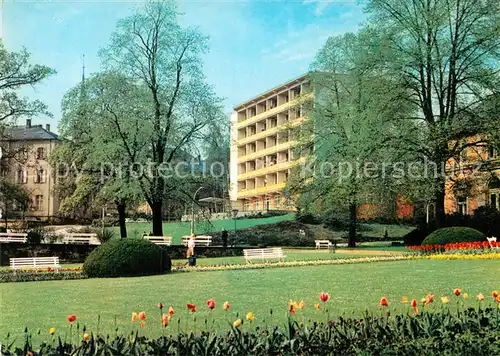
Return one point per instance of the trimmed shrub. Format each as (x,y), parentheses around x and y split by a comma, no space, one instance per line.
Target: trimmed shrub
(308,218)
(452,235)
(127,257)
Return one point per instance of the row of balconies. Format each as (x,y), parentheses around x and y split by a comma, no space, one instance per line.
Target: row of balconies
(273,102)
(270,122)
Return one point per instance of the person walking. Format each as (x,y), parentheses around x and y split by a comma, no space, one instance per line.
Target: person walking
(190,251)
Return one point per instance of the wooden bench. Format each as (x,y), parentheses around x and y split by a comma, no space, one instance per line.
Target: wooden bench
(13,237)
(159,240)
(82,238)
(492,241)
(200,240)
(323,244)
(34,262)
(264,253)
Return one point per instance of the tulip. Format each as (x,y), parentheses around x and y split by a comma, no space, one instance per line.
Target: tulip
(211,303)
(498,298)
(324,297)
(291,309)
(404,300)
(227,306)
(52,331)
(466,296)
(413,303)
(384,302)
(495,293)
(237,323)
(143,324)
(445,300)
(301,304)
(86,337)
(480,296)
(134,317)
(429,298)
(160,305)
(71,318)
(317,306)
(171,311)
(191,307)
(457,291)
(250,316)
(165,319)
(142,316)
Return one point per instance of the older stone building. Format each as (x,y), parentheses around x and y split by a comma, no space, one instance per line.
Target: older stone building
(26,164)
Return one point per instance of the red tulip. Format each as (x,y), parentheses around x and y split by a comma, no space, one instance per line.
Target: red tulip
(211,303)
(71,318)
(324,297)
(413,303)
(191,307)
(384,302)
(457,292)
(142,316)
(160,305)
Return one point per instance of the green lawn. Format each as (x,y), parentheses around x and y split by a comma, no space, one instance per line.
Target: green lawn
(179,229)
(352,287)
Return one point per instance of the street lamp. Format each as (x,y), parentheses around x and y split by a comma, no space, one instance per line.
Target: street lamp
(192,209)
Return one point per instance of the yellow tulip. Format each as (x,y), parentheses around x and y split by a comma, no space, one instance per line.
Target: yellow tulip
(404,300)
(445,300)
(86,337)
(317,306)
(466,296)
(250,316)
(480,296)
(52,331)
(301,304)
(237,323)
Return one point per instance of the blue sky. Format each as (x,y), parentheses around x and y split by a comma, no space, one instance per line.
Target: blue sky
(254,45)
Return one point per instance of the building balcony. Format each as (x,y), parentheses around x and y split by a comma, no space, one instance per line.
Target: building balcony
(273,188)
(267,151)
(269,132)
(266,170)
(274,111)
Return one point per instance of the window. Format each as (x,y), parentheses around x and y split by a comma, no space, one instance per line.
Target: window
(256,205)
(247,205)
(268,203)
(39,202)
(40,153)
(278,202)
(494,201)
(39,176)
(492,152)
(462,205)
(22,176)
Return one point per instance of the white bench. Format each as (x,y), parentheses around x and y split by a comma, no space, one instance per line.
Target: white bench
(13,237)
(264,253)
(200,240)
(34,262)
(492,240)
(82,238)
(159,240)
(323,244)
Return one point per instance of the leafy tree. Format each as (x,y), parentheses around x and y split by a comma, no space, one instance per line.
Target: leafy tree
(353,110)
(444,54)
(12,195)
(157,53)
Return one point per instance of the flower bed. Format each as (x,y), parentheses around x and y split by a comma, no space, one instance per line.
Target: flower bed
(424,327)
(462,247)
(41,274)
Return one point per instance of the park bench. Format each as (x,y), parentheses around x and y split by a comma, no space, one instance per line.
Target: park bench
(13,237)
(82,238)
(263,253)
(34,262)
(323,244)
(159,240)
(200,240)
(492,241)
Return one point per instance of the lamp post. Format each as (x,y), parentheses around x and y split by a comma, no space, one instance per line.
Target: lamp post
(192,209)
(235,214)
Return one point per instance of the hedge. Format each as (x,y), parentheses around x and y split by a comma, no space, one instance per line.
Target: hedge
(455,234)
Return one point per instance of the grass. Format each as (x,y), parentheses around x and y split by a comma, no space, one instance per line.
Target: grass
(352,288)
(179,229)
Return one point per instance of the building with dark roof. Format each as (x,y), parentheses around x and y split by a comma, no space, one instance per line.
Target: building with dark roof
(28,148)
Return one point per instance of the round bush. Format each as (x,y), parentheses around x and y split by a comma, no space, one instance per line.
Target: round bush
(450,235)
(127,257)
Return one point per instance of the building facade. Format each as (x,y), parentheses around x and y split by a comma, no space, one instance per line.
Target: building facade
(473,180)
(27,165)
(261,153)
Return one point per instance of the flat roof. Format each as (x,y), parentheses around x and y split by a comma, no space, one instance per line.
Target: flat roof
(274,90)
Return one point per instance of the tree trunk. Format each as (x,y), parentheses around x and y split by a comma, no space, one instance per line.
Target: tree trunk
(156,210)
(353,220)
(439,206)
(121,219)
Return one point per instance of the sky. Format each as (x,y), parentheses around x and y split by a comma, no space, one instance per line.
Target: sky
(254,45)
